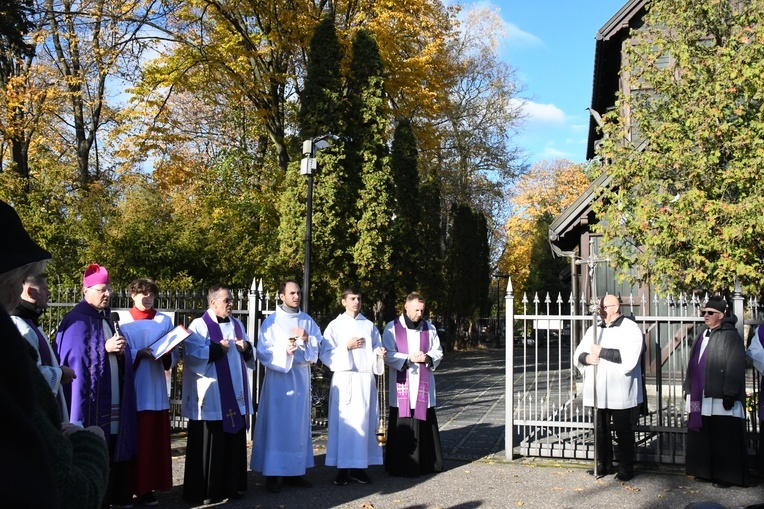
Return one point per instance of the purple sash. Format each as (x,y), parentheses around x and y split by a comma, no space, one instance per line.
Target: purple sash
(402,377)
(232,420)
(42,349)
(696,371)
(758,338)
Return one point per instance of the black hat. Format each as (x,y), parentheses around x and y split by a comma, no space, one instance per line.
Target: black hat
(19,248)
(715,304)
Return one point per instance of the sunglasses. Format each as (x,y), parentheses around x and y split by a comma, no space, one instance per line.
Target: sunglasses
(709,313)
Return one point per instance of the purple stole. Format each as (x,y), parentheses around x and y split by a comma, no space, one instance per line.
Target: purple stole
(232,421)
(402,377)
(697,373)
(44,351)
(759,333)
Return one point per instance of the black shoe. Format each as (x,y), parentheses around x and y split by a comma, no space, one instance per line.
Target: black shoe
(359,475)
(298,481)
(273,484)
(602,471)
(148,499)
(343,474)
(722,485)
(236,495)
(623,476)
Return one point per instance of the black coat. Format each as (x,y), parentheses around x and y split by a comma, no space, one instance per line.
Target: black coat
(725,363)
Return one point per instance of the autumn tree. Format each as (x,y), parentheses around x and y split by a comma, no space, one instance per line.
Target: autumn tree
(685,149)
(368,126)
(88,44)
(405,241)
(475,158)
(321,113)
(539,196)
(431,232)
(466,269)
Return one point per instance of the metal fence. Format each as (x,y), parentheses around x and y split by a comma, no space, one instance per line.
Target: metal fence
(251,306)
(545,412)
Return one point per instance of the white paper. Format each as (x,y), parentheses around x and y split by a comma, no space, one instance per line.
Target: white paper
(169,341)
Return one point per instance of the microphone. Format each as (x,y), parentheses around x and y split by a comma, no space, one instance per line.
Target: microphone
(115,321)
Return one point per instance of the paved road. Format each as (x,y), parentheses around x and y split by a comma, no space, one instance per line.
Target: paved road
(471,417)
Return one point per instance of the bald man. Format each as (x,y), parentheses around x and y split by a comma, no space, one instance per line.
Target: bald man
(616,355)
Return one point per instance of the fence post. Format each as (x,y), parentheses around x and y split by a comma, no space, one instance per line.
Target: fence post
(253,308)
(509,347)
(738,308)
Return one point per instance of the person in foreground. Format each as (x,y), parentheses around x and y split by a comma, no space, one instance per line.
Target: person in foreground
(45,464)
(352,349)
(288,343)
(217,402)
(152,467)
(715,391)
(612,363)
(413,352)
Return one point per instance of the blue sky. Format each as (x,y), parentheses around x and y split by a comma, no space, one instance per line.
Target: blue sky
(550,43)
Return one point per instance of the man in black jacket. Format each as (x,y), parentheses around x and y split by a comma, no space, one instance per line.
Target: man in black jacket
(715,391)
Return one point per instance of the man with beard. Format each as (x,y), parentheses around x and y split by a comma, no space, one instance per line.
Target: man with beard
(288,343)
(413,352)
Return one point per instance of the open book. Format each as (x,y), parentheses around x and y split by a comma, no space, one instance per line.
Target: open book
(169,341)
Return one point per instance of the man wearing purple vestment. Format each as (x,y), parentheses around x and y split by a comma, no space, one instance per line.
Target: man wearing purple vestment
(413,352)
(103,394)
(715,391)
(217,401)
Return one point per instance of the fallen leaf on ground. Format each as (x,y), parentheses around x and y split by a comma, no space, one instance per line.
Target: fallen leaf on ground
(367,505)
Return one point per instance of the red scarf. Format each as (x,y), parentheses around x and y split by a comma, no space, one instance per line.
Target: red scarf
(137,314)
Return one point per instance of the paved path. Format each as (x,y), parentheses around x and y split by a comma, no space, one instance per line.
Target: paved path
(471,417)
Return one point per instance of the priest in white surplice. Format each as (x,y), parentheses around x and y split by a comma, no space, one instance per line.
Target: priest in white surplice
(216,400)
(287,344)
(352,349)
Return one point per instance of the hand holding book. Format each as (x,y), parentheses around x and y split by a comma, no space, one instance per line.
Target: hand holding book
(169,341)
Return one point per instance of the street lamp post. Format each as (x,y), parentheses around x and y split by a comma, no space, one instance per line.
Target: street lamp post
(307,167)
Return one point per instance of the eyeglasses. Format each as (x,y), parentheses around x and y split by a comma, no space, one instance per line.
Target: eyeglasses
(227,300)
(608,306)
(709,313)
(106,289)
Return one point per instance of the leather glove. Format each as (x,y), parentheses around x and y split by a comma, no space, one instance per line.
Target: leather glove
(728,402)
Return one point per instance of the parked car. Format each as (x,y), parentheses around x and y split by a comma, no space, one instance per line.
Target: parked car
(526,339)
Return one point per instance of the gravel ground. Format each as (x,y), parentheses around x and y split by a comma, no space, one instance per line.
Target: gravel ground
(527,483)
